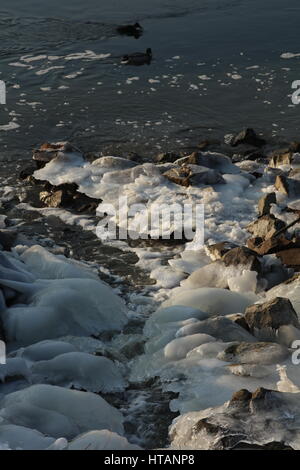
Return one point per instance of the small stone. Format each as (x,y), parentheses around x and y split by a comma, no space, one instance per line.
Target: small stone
(7,239)
(168,157)
(271,315)
(265,203)
(266,226)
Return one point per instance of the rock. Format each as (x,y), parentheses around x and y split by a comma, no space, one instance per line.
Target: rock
(278,159)
(7,239)
(254,353)
(27,172)
(217,250)
(212,160)
(265,202)
(66,195)
(272,245)
(247,136)
(290,258)
(250,370)
(242,256)
(193,175)
(168,157)
(288,186)
(264,420)
(239,319)
(49,151)
(265,226)
(224,329)
(271,315)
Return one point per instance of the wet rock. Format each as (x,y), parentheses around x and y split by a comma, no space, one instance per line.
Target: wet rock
(217,250)
(193,175)
(27,172)
(254,353)
(247,136)
(265,226)
(271,315)
(290,258)
(265,203)
(242,256)
(49,151)
(288,186)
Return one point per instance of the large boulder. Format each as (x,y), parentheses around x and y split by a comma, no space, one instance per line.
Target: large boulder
(271,315)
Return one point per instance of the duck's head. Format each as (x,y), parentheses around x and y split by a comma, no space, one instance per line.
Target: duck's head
(149,52)
(125,59)
(137,26)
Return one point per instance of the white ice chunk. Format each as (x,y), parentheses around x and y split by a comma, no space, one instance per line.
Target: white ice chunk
(80,370)
(60,412)
(101,440)
(179,347)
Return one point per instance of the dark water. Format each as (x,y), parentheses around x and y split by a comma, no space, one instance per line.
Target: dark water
(216,68)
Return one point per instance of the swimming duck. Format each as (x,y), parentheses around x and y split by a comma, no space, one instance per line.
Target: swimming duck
(135,30)
(137,58)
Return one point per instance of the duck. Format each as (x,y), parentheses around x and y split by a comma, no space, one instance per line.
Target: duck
(137,58)
(135,30)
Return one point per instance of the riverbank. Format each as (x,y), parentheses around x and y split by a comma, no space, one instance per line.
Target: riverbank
(199,323)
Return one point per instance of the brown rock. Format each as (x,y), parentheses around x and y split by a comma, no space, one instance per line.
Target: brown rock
(266,226)
(254,353)
(271,315)
(193,175)
(271,245)
(290,257)
(265,202)
(242,256)
(284,158)
(288,186)
(49,151)
(217,250)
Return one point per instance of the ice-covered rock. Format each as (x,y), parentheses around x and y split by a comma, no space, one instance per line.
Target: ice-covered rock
(45,265)
(254,353)
(101,440)
(258,420)
(80,370)
(59,412)
(22,438)
(61,307)
(212,300)
(178,348)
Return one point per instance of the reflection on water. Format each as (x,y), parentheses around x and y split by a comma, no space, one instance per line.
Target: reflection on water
(216,67)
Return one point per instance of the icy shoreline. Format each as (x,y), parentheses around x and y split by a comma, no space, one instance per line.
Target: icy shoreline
(220,325)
